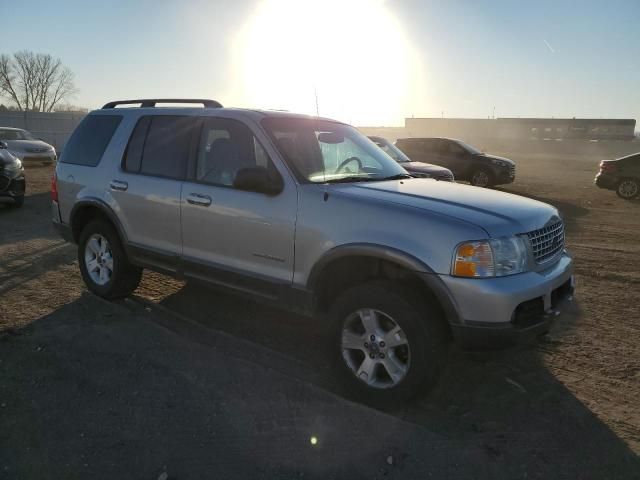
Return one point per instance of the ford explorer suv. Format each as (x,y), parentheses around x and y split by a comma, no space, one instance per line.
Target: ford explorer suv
(419,169)
(621,175)
(466,162)
(308,214)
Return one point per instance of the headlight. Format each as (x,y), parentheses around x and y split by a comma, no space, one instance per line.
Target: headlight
(14,167)
(490,258)
(500,163)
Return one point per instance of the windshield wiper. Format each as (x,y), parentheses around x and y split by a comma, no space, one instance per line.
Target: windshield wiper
(399,176)
(352,178)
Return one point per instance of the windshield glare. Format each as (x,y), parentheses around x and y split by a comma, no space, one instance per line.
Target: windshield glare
(468,147)
(393,151)
(321,151)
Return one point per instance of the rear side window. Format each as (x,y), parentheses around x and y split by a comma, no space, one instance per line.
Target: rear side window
(159,146)
(90,139)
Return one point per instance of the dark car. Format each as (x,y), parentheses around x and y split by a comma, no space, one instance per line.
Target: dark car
(415,168)
(12,180)
(466,162)
(621,175)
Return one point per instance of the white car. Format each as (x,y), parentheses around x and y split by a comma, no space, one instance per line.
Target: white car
(26,147)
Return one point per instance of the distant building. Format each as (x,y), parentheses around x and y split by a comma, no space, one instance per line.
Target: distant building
(522,128)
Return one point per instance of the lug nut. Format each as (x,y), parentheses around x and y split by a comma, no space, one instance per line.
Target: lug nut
(382,355)
(371,355)
(382,344)
(366,344)
(372,337)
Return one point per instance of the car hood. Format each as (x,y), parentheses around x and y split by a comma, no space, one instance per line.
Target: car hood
(22,145)
(423,167)
(495,157)
(498,213)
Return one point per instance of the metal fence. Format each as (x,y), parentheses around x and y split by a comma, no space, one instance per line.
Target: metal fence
(54,128)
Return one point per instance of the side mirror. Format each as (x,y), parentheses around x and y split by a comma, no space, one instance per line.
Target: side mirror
(3,145)
(257,179)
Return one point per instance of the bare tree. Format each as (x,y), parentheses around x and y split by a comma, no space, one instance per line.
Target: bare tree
(35,81)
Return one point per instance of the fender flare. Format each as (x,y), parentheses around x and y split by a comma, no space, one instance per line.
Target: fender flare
(105,209)
(428,276)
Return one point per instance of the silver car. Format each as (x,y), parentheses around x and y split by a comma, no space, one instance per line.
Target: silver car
(26,147)
(308,214)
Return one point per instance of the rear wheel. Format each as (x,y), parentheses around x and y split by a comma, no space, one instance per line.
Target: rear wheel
(103,262)
(388,345)
(628,188)
(481,177)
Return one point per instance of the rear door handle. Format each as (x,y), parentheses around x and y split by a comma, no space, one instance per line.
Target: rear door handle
(118,185)
(197,199)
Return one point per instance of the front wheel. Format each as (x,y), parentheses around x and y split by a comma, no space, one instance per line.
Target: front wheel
(103,262)
(628,189)
(388,346)
(481,177)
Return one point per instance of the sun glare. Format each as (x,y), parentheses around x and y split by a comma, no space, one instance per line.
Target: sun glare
(350,53)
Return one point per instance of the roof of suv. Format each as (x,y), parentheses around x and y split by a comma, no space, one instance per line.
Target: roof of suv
(209,108)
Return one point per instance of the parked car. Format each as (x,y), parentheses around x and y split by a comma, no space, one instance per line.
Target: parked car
(307,214)
(415,168)
(26,147)
(466,162)
(12,182)
(621,175)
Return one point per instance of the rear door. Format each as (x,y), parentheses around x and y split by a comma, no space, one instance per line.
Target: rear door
(452,156)
(147,188)
(233,237)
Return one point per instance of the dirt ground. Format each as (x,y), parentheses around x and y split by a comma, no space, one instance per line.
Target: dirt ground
(566,406)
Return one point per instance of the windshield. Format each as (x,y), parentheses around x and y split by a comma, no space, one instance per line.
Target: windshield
(391,150)
(468,148)
(321,151)
(6,134)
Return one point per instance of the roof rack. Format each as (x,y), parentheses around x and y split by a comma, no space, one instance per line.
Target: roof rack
(151,102)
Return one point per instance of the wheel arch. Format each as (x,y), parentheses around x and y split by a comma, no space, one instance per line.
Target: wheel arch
(347,265)
(88,209)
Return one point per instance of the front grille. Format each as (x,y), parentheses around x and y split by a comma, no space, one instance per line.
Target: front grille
(37,150)
(445,177)
(4,183)
(547,242)
(512,171)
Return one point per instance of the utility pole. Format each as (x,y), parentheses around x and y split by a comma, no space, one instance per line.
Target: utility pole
(315,92)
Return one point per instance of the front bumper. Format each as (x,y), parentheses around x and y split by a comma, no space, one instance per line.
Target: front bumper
(502,310)
(505,175)
(606,181)
(12,185)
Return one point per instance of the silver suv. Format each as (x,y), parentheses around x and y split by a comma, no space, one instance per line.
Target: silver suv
(307,213)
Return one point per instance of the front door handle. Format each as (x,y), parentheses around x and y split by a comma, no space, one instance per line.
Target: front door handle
(118,185)
(197,199)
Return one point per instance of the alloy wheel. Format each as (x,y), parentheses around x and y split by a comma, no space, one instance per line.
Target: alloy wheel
(628,189)
(98,259)
(375,348)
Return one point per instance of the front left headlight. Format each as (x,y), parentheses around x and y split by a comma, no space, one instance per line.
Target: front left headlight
(14,167)
(499,163)
(496,257)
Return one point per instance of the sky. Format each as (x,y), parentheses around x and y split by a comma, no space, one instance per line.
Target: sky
(367,62)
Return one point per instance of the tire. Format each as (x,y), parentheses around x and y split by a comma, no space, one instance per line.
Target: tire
(417,364)
(481,177)
(628,188)
(18,201)
(112,276)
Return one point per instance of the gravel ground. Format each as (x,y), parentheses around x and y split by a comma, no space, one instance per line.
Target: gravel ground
(183,380)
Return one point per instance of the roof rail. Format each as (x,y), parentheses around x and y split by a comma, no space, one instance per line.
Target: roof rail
(151,102)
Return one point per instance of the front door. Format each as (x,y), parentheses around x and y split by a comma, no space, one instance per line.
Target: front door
(234,237)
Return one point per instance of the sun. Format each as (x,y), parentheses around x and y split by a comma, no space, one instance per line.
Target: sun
(348,58)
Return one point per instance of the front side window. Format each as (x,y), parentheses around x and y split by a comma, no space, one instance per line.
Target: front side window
(322,151)
(159,146)
(226,146)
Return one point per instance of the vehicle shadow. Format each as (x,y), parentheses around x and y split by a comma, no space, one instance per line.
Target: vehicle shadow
(508,403)
(96,390)
(31,220)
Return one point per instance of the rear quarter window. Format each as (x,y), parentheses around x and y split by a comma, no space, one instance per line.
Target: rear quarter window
(90,139)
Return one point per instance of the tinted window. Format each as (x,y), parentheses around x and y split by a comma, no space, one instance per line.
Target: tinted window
(159,146)
(225,147)
(90,139)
